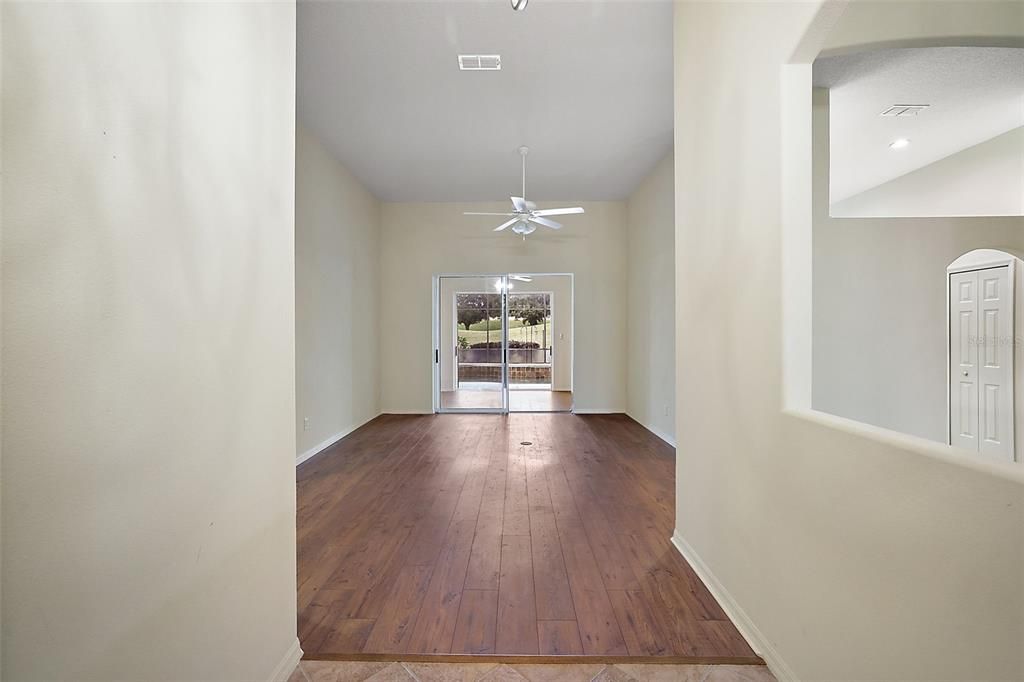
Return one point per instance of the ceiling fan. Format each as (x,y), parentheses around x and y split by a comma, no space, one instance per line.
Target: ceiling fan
(525,217)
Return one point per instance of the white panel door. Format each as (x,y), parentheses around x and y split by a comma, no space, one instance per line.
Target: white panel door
(963,359)
(981,361)
(995,363)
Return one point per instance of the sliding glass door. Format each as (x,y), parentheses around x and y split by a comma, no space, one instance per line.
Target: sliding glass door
(471,344)
(498,345)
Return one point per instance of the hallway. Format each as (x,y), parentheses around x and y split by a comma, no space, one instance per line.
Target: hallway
(445,534)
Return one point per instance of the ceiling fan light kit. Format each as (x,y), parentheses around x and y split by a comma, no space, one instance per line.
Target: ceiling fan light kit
(525,217)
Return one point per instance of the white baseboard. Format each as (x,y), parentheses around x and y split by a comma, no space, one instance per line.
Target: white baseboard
(660,434)
(407,412)
(657,432)
(598,410)
(287,665)
(755,638)
(320,447)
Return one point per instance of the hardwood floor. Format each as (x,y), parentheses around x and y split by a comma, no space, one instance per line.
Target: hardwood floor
(444,534)
(519,400)
(530,400)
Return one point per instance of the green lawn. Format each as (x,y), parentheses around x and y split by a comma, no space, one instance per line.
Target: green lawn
(516,332)
(493,324)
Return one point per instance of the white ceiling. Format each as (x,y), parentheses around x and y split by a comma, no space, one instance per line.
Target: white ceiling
(974,93)
(586,85)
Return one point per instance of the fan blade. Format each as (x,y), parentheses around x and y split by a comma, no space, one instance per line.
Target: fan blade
(520,204)
(501,227)
(504,214)
(545,222)
(558,211)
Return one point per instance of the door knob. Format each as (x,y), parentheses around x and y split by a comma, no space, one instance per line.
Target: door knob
(965,373)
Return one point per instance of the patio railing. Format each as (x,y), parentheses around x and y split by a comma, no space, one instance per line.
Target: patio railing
(516,356)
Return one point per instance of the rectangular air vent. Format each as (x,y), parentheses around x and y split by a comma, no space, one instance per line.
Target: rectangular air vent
(905,110)
(480,62)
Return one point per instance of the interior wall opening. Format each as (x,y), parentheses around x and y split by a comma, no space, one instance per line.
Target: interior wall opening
(888,222)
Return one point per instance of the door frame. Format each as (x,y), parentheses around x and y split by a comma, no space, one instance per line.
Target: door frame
(992,258)
(435,336)
(436,343)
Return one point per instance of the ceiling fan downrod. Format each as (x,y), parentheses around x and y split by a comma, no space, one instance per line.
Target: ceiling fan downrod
(523,151)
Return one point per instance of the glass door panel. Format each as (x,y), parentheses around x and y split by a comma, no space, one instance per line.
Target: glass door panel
(530,334)
(471,343)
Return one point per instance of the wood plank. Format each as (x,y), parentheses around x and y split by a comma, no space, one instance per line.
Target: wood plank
(391,632)
(591,501)
(517,612)
(477,623)
(554,599)
(559,638)
(435,626)
(485,558)
(445,487)
(725,638)
(349,634)
(599,629)
(315,620)
(516,519)
(638,624)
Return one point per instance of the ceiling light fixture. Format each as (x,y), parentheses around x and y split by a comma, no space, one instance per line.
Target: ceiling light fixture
(518,5)
(899,144)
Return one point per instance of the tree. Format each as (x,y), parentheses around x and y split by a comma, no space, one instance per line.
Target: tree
(530,309)
(472,308)
(470,316)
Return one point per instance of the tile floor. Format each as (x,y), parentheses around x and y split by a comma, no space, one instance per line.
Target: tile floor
(331,671)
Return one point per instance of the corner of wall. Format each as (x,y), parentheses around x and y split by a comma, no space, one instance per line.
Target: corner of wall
(288,663)
(757,640)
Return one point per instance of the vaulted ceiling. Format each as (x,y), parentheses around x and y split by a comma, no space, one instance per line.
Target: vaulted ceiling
(973,93)
(586,85)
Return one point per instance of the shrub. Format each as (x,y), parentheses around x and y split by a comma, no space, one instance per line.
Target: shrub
(511,344)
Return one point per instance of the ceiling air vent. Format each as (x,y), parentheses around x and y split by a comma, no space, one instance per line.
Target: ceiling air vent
(480,62)
(905,110)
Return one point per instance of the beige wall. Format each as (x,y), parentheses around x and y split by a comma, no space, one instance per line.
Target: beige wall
(880,306)
(899,23)
(419,241)
(852,554)
(984,180)
(337,227)
(650,215)
(148,341)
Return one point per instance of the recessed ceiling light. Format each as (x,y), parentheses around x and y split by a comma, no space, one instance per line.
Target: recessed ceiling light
(899,144)
(480,62)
